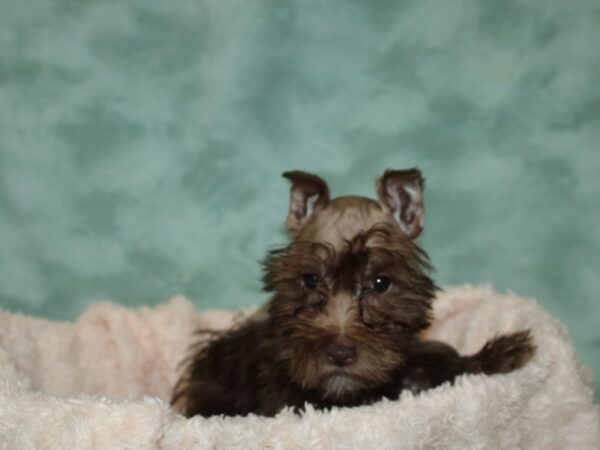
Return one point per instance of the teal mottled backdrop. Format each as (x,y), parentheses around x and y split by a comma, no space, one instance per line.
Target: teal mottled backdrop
(141,142)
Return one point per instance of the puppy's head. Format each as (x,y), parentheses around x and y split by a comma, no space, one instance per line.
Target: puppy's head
(351,290)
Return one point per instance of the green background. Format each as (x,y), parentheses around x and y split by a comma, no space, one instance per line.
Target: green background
(141,142)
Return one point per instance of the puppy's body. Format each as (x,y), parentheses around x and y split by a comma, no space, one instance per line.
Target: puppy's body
(350,295)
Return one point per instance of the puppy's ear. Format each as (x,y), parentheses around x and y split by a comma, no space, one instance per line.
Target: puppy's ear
(401,192)
(309,194)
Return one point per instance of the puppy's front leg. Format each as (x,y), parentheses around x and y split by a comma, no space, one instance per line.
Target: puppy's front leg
(432,363)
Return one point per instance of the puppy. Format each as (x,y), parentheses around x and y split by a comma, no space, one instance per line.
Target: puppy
(351,293)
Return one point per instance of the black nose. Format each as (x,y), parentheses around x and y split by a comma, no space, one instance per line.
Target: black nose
(340,354)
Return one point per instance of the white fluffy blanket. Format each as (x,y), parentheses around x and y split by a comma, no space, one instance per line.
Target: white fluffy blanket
(104,381)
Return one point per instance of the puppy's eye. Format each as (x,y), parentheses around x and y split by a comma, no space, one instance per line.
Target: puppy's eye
(381,284)
(310,280)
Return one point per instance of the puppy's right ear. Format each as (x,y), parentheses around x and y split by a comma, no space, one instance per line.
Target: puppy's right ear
(309,194)
(401,193)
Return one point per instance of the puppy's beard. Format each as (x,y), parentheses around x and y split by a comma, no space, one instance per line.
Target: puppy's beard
(341,384)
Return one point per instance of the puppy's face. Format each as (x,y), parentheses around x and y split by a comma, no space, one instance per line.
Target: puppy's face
(351,290)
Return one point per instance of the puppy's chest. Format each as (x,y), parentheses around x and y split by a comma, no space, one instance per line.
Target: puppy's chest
(247,358)
(253,372)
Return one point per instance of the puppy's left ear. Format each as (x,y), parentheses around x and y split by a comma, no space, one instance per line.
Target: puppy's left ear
(309,194)
(401,193)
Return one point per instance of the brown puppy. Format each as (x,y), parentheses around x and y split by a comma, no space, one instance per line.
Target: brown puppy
(350,295)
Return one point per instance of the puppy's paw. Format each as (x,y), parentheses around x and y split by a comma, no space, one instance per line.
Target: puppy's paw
(503,354)
(416,380)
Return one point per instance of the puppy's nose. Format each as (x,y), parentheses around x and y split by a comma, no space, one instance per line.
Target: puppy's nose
(340,354)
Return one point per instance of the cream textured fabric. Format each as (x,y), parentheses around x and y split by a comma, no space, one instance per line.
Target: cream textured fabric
(104,381)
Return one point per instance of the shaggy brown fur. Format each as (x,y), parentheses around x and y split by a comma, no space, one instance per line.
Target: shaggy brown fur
(350,295)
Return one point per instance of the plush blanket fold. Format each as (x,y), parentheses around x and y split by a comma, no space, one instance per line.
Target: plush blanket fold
(104,381)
